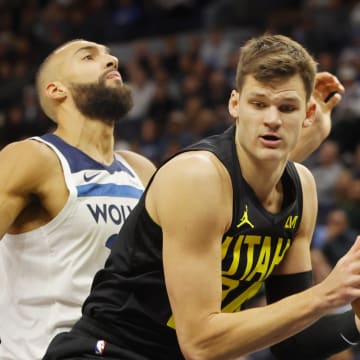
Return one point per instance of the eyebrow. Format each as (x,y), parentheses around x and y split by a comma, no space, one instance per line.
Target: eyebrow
(262,95)
(92,47)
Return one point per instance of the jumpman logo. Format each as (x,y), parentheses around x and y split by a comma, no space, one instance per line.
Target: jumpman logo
(245,219)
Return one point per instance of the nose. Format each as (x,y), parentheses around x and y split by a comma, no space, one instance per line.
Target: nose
(111,61)
(272,117)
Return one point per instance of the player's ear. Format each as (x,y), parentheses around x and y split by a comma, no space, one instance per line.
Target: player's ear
(234,104)
(56,90)
(310,114)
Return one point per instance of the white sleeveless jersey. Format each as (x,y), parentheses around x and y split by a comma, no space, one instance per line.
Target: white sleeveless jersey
(46,274)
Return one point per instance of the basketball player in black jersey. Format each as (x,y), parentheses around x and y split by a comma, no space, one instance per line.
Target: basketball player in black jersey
(218,221)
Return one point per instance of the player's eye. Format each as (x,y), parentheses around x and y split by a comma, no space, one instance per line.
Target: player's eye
(258,104)
(87,57)
(287,108)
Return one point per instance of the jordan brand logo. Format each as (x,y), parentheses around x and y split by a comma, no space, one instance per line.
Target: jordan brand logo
(245,219)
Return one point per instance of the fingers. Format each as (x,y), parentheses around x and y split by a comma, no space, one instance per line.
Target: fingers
(352,258)
(330,96)
(344,280)
(334,100)
(327,91)
(356,245)
(326,79)
(326,83)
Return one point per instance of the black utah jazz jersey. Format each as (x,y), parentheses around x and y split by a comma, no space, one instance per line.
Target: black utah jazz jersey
(129,295)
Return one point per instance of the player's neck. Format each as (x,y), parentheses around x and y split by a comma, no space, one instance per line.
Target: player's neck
(263,176)
(95,138)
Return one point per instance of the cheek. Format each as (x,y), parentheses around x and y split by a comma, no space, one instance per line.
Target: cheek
(294,121)
(248,132)
(86,74)
(250,116)
(293,134)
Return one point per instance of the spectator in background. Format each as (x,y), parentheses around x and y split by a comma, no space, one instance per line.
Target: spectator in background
(205,123)
(170,54)
(217,89)
(328,24)
(191,86)
(346,127)
(143,90)
(339,236)
(327,61)
(90,19)
(349,108)
(326,172)
(335,237)
(125,19)
(216,49)
(176,135)
(148,143)
(15,127)
(164,99)
(349,186)
(351,202)
(355,162)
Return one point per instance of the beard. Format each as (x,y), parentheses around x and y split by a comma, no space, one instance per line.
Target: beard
(98,101)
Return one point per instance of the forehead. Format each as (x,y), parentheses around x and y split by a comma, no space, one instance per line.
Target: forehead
(289,87)
(72,48)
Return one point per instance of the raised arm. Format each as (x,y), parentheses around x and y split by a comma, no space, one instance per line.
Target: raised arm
(311,137)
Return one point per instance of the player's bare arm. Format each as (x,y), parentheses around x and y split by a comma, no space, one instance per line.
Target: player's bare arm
(312,136)
(32,189)
(193,219)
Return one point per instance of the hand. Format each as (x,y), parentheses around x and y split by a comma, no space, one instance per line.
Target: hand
(312,136)
(342,286)
(325,85)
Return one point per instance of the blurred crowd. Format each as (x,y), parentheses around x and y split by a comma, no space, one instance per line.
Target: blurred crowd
(180,57)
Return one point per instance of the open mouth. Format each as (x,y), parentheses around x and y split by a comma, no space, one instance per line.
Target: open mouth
(270,140)
(270,137)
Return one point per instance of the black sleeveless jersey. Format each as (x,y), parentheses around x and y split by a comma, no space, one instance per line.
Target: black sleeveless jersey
(129,296)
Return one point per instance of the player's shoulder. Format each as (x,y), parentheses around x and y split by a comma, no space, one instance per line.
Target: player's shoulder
(196,166)
(28,153)
(197,178)
(305,175)
(143,167)
(303,170)
(29,164)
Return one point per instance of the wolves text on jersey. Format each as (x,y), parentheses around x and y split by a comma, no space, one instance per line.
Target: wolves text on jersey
(109,212)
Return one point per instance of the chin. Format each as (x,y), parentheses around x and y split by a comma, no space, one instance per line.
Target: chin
(272,155)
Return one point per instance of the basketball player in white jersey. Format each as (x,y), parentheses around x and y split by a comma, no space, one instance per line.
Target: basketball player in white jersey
(65,195)
(63,198)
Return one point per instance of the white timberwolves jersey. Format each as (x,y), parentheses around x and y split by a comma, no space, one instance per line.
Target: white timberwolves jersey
(46,274)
